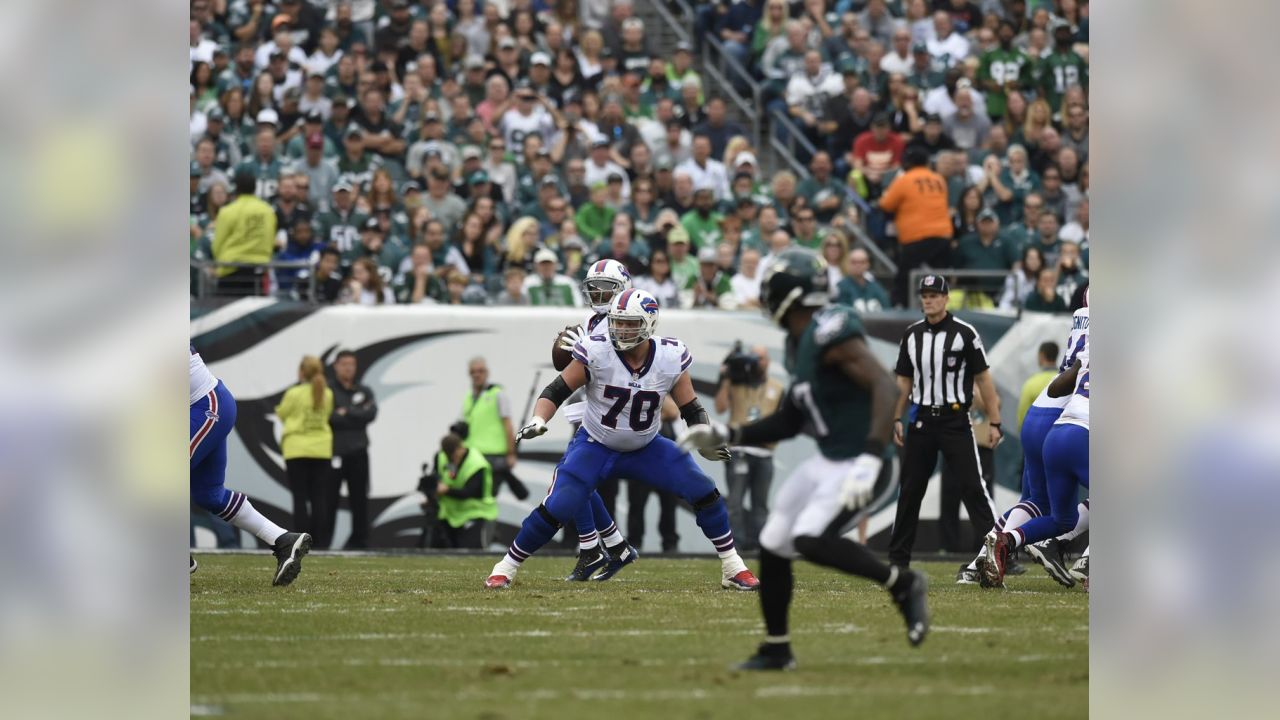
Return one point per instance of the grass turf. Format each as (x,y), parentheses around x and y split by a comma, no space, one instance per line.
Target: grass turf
(418,637)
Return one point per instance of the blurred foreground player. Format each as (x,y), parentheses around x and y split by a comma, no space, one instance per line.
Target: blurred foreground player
(213,415)
(843,397)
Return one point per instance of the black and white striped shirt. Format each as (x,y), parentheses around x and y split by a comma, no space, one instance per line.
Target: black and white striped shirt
(941,361)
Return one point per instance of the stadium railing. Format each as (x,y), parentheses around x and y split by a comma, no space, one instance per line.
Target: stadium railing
(963,280)
(786,149)
(205,281)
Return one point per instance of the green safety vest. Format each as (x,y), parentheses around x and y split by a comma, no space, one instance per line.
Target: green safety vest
(456,512)
(485,430)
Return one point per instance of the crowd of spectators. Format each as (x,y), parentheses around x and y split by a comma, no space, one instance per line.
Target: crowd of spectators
(486,152)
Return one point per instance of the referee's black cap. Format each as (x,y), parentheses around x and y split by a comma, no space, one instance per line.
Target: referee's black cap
(933,283)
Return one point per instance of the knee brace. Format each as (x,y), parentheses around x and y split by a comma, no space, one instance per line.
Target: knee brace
(708,500)
(546,515)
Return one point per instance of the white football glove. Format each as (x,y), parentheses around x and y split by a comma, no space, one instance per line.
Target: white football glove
(719,454)
(535,427)
(569,338)
(860,482)
(704,437)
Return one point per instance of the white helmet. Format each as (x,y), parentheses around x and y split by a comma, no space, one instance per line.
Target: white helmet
(603,282)
(632,317)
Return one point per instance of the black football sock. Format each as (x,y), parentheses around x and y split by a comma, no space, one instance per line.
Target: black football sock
(776,581)
(843,554)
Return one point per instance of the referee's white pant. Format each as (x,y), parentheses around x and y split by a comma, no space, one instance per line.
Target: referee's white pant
(808,504)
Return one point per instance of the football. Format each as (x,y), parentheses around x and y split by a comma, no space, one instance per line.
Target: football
(560,357)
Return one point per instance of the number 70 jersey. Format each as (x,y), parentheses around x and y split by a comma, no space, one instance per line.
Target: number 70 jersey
(623,404)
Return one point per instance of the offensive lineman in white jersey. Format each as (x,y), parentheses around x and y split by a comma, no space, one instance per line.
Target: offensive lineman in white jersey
(213,416)
(627,373)
(1034,503)
(1066,467)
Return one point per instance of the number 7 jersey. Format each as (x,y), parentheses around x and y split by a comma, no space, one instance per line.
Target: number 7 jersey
(623,403)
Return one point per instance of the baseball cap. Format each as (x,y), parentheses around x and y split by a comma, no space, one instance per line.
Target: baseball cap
(545,255)
(410,186)
(614,177)
(848,66)
(539,58)
(678,234)
(371,224)
(315,117)
(706,254)
(599,142)
(315,140)
(507,42)
(745,158)
(354,131)
(932,117)
(933,283)
(478,177)
(543,152)
(684,46)
(550,180)
(920,48)
(343,184)
(662,164)
(987,214)
(473,62)
(267,116)
(431,116)
(471,152)
(215,114)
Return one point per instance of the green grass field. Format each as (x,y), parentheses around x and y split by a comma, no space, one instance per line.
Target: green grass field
(418,637)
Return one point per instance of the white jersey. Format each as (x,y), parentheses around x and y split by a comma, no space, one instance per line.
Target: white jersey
(574,407)
(624,404)
(1076,411)
(202,381)
(1076,344)
(516,127)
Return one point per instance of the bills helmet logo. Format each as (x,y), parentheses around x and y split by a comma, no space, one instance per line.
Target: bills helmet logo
(649,305)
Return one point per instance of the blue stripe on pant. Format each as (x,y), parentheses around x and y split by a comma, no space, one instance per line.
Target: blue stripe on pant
(209,457)
(1066,466)
(661,464)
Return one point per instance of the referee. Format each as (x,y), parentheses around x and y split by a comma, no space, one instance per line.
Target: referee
(939,360)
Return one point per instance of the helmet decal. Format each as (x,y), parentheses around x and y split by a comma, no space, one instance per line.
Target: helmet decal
(649,305)
(622,299)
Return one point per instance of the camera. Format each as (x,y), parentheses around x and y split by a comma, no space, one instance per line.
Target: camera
(743,366)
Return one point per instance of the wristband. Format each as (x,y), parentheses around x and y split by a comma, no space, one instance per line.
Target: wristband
(874,447)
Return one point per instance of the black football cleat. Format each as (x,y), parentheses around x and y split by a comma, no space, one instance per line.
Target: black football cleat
(1049,555)
(768,658)
(912,602)
(589,561)
(194,565)
(289,550)
(619,557)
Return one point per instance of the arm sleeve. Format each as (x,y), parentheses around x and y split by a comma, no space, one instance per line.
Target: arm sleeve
(785,423)
(977,354)
(472,489)
(904,366)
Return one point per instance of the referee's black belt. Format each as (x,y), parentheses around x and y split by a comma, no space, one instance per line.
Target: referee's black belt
(941,410)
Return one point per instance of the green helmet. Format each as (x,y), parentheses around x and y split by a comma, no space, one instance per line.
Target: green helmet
(797,275)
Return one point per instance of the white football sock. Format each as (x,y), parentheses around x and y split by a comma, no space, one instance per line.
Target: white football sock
(248,518)
(586,542)
(731,563)
(612,537)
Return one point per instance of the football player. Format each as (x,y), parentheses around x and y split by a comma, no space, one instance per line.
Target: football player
(627,371)
(844,398)
(213,416)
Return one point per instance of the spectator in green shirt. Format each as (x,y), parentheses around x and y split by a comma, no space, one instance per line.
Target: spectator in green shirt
(1047,360)
(986,250)
(595,217)
(703,222)
(859,288)
(684,267)
(807,232)
(1045,297)
(547,287)
(824,193)
(711,283)
(1002,70)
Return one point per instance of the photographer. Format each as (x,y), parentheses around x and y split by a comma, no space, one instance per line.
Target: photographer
(464,494)
(748,393)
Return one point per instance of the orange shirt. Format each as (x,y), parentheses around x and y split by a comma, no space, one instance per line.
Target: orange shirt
(918,200)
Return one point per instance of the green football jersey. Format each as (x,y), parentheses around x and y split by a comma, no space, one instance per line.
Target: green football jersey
(267,174)
(342,230)
(1002,66)
(1061,71)
(837,410)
